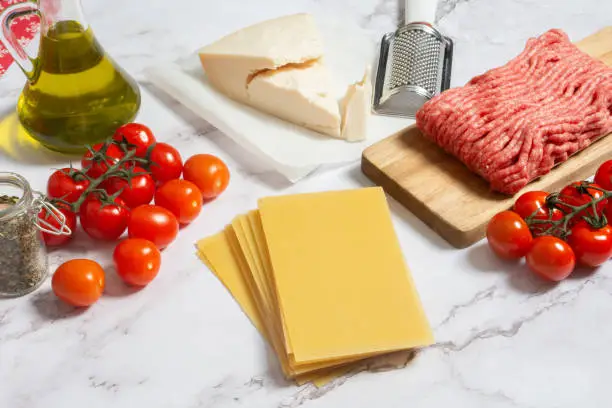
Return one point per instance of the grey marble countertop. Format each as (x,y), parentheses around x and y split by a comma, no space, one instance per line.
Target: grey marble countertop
(503,338)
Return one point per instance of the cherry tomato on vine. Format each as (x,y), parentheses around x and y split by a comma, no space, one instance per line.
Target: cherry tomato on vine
(572,195)
(137,261)
(153,223)
(603,176)
(95,168)
(62,185)
(508,235)
(166,162)
(551,258)
(208,172)
(592,246)
(79,282)
(135,134)
(140,190)
(105,222)
(182,198)
(70,221)
(534,202)
(529,203)
(608,211)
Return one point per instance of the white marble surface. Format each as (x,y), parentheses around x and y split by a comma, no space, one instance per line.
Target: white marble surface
(504,339)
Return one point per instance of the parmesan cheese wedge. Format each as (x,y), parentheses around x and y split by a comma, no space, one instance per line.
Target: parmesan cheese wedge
(276,67)
(233,60)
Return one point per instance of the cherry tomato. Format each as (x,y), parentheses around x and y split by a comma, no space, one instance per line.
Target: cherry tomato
(153,223)
(166,162)
(208,172)
(603,176)
(592,246)
(137,261)
(95,168)
(529,203)
(137,135)
(608,211)
(140,191)
(534,202)
(551,258)
(78,282)
(57,240)
(182,198)
(62,185)
(572,195)
(104,222)
(508,235)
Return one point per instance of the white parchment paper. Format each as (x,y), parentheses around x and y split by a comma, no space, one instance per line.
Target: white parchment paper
(291,150)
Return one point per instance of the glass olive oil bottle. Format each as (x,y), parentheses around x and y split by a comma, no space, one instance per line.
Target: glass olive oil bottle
(76,95)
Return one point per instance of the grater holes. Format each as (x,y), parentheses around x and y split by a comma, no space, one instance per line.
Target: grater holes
(416,60)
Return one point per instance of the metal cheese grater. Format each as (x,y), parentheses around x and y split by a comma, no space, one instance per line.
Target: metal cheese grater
(414,65)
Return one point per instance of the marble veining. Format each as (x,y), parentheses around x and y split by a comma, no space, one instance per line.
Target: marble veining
(504,339)
(445,7)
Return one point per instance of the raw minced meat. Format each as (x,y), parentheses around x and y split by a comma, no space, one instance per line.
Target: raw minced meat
(514,123)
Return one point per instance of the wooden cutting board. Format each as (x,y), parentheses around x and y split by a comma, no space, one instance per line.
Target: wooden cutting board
(452,200)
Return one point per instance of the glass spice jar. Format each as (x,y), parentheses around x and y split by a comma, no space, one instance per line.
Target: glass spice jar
(23,257)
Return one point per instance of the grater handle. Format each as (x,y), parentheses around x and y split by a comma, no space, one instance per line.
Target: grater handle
(422,11)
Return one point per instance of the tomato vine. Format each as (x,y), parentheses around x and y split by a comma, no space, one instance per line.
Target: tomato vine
(562,227)
(124,168)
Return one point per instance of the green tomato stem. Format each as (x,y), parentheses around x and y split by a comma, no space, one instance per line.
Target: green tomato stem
(560,227)
(117,169)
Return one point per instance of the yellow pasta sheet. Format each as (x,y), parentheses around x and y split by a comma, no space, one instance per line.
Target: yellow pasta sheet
(323,278)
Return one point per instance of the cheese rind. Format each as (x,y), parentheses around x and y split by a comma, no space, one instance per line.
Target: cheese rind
(355,109)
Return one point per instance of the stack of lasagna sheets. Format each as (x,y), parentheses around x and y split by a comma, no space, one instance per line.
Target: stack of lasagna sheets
(322,277)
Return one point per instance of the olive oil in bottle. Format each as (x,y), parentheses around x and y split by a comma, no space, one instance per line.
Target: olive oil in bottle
(77,95)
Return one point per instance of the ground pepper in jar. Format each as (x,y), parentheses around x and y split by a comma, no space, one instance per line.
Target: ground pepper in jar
(23,258)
